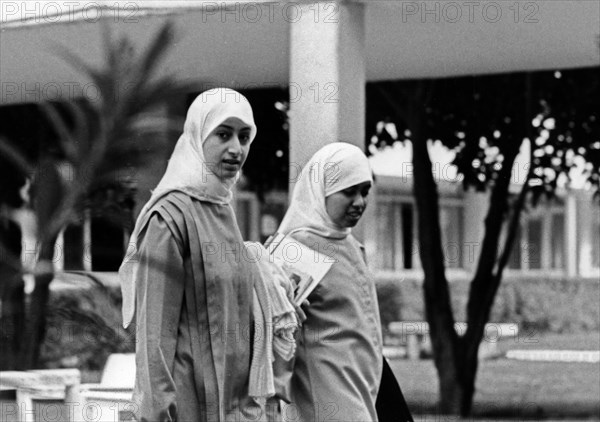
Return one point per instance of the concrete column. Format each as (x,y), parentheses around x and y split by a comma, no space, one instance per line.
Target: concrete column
(571,235)
(87,240)
(327,79)
(59,252)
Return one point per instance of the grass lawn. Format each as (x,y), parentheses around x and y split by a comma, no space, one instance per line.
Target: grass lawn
(507,389)
(517,389)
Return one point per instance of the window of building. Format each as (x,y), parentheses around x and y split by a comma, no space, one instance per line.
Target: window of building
(243,214)
(595,250)
(386,236)
(395,235)
(397,241)
(91,243)
(72,248)
(514,261)
(540,241)
(451,225)
(247,213)
(589,245)
(534,243)
(258,220)
(558,242)
(106,249)
(408,236)
(271,214)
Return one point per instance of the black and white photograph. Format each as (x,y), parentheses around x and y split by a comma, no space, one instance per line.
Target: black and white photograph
(299,211)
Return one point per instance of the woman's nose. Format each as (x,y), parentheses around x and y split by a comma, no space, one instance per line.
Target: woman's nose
(359,201)
(235,147)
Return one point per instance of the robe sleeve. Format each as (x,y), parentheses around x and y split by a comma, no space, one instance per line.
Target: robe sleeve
(159,296)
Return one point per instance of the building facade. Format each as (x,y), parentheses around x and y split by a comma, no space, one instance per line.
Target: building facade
(558,238)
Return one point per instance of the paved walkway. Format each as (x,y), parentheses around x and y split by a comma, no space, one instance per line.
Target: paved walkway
(590,356)
(537,355)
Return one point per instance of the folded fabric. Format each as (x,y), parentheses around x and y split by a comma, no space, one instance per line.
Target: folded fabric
(275,321)
(262,382)
(285,318)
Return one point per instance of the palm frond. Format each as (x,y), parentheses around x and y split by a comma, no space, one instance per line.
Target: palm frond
(73,60)
(14,156)
(57,122)
(158,49)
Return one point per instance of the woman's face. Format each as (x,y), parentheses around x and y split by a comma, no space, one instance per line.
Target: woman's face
(226,148)
(347,206)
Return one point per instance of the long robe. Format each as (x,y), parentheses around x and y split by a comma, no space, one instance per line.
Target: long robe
(338,364)
(193,315)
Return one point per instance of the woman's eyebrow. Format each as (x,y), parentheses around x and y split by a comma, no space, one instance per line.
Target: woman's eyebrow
(246,128)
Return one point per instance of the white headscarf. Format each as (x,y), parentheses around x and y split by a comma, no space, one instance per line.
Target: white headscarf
(335,167)
(188,171)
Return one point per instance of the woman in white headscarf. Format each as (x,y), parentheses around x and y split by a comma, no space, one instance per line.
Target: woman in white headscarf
(338,365)
(188,284)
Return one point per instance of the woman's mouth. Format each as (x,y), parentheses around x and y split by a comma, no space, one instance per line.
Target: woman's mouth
(231,163)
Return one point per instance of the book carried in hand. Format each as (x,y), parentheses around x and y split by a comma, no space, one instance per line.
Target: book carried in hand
(304,266)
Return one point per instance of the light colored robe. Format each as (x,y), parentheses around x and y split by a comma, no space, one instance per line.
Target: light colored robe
(194,316)
(337,370)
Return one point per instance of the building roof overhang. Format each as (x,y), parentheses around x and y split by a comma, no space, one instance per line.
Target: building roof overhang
(247,44)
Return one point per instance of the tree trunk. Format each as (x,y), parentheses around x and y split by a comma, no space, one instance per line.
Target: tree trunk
(438,308)
(12,295)
(485,283)
(488,275)
(48,196)
(35,323)
(12,319)
(456,358)
(467,368)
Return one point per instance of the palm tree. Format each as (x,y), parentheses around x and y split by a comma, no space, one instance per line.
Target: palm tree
(96,141)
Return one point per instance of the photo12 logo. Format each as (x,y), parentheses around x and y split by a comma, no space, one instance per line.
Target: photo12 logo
(39,12)
(469,11)
(31,91)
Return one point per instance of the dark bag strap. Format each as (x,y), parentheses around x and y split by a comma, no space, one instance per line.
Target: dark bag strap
(391,405)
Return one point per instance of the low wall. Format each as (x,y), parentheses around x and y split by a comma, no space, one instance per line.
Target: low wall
(542,303)
(85,320)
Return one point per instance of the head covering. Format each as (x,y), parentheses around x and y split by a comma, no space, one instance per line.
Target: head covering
(335,167)
(188,171)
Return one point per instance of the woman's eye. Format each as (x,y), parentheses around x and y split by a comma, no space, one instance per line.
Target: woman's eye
(244,138)
(223,135)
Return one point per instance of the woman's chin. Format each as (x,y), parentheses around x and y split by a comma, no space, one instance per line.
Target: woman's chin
(351,221)
(226,175)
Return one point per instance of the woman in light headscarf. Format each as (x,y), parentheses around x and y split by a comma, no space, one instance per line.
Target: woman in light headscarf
(338,366)
(338,363)
(188,284)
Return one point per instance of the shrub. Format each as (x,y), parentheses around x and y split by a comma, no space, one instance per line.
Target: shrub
(84,326)
(542,303)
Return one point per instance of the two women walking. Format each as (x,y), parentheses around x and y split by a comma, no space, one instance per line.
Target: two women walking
(191,290)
